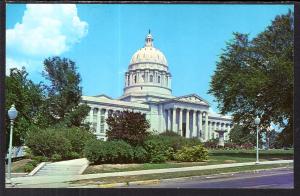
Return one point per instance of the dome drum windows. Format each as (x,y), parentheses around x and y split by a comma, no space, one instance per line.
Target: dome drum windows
(151,78)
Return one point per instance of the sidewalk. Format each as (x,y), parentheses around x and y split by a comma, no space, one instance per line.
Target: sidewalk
(40,180)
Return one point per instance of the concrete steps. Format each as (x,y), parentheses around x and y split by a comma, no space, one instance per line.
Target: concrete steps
(62,168)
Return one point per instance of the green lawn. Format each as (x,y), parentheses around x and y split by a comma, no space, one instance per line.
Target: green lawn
(215,157)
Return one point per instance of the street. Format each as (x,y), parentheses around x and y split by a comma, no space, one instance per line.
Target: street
(276,178)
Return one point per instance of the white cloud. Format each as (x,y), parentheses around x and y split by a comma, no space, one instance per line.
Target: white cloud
(46,29)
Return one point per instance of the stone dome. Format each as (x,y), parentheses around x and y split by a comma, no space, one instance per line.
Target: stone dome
(148,54)
(148,74)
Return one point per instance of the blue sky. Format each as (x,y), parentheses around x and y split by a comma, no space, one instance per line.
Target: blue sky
(104,37)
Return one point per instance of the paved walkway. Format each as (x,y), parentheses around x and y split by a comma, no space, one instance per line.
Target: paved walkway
(38,181)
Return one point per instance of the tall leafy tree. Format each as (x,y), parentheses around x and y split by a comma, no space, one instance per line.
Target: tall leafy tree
(28,99)
(64,92)
(128,126)
(255,77)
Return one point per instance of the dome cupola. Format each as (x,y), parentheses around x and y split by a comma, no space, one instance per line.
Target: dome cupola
(148,72)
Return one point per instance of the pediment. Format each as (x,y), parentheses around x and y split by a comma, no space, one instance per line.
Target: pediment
(193,98)
(102,96)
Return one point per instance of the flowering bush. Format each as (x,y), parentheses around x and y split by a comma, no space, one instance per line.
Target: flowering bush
(194,153)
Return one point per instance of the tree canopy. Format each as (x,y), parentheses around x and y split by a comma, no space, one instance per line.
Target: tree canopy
(128,126)
(41,105)
(64,92)
(255,77)
(28,99)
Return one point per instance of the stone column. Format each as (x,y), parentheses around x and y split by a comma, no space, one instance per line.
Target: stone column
(215,128)
(187,123)
(91,117)
(206,126)
(130,78)
(228,131)
(105,117)
(200,125)
(174,120)
(180,121)
(98,120)
(165,119)
(194,133)
(169,120)
(208,132)
(138,77)
(161,117)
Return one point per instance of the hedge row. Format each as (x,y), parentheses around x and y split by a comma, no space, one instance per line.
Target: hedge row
(155,149)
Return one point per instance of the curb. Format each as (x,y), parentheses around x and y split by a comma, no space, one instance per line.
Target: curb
(144,182)
(157,181)
(112,185)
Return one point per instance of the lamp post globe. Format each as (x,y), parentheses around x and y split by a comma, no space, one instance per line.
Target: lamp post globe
(257,121)
(12,114)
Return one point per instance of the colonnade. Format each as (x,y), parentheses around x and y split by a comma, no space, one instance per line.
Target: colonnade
(162,78)
(196,123)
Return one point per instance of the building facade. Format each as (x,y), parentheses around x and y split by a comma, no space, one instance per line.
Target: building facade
(148,90)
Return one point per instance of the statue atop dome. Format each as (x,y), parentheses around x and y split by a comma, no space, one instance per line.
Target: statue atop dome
(149,40)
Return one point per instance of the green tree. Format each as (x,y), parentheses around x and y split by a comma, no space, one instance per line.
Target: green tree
(128,126)
(240,135)
(28,99)
(64,92)
(255,77)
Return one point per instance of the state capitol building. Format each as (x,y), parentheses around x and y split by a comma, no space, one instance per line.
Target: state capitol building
(148,90)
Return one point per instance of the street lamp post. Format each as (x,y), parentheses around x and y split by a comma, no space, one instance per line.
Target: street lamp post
(12,114)
(257,121)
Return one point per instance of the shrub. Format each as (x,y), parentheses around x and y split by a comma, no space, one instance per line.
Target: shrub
(140,154)
(231,145)
(170,134)
(213,143)
(175,141)
(74,155)
(194,153)
(116,151)
(48,142)
(28,167)
(192,141)
(40,159)
(77,137)
(128,126)
(66,142)
(56,157)
(247,145)
(157,149)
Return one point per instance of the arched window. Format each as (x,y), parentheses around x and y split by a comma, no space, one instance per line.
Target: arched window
(135,79)
(158,79)
(151,78)
(128,80)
